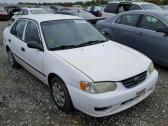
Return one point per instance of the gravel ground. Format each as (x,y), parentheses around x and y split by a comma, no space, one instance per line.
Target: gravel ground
(26,101)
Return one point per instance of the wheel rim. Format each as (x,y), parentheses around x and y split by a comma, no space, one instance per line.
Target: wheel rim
(58,94)
(10,58)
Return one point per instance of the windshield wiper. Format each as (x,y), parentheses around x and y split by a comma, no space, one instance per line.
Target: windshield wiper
(92,42)
(63,47)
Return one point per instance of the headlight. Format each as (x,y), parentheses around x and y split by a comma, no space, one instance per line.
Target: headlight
(97,87)
(150,68)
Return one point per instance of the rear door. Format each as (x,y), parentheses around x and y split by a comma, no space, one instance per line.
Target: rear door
(16,42)
(150,42)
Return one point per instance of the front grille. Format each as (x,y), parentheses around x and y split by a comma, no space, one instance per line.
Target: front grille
(134,81)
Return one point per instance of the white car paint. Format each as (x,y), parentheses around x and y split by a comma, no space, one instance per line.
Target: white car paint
(107,61)
(17,15)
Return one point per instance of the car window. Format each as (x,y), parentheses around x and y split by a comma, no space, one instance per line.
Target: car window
(31,33)
(152,23)
(18,28)
(135,7)
(20,12)
(111,8)
(69,32)
(129,19)
(25,12)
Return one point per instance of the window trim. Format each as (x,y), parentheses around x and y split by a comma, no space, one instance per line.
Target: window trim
(28,20)
(23,30)
(143,15)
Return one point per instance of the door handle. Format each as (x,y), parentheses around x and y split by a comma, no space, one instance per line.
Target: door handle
(139,33)
(9,40)
(23,49)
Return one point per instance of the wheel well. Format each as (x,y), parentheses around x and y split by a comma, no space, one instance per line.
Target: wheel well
(7,48)
(51,75)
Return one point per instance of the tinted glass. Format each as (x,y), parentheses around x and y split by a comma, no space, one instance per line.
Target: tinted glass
(25,12)
(31,33)
(69,32)
(18,28)
(20,12)
(152,23)
(111,8)
(135,7)
(130,20)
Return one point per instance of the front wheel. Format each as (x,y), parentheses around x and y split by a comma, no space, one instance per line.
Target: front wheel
(12,60)
(61,95)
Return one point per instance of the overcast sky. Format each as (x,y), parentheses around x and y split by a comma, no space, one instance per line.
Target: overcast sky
(49,1)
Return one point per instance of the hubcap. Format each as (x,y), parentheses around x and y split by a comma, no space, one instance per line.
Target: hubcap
(10,58)
(58,94)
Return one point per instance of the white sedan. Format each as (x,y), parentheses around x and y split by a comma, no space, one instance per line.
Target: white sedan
(29,11)
(83,69)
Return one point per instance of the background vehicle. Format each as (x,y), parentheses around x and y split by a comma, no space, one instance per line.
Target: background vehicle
(4,16)
(145,31)
(11,10)
(69,59)
(80,13)
(113,8)
(95,10)
(165,7)
(29,11)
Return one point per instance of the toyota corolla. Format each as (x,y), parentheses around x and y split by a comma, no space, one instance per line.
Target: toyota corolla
(83,69)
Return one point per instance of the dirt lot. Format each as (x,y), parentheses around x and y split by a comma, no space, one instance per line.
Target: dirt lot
(25,101)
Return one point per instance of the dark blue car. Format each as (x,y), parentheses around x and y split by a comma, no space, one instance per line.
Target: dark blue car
(145,31)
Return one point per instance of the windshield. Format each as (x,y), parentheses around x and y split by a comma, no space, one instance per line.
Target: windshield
(151,7)
(72,33)
(39,11)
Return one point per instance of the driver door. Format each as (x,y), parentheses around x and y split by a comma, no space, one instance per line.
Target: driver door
(33,57)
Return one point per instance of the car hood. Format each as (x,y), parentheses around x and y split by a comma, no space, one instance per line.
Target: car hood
(107,61)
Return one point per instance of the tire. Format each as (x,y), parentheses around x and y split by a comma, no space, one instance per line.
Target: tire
(12,60)
(60,95)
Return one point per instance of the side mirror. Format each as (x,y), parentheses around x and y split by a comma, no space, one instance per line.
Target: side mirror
(35,45)
(163,30)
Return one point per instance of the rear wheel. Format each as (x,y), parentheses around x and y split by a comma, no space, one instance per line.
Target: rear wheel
(61,95)
(12,60)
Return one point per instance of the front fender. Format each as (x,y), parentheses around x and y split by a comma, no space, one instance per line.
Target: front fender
(67,72)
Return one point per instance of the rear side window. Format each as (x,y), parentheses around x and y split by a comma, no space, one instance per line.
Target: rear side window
(129,19)
(31,33)
(111,8)
(25,12)
(18,28)
(152,23)
(135,7)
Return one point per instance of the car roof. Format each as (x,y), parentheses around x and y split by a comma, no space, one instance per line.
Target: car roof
(49,17)
(137,3)
(150,12)
(32,8)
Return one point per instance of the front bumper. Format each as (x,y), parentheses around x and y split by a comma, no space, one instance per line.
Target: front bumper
(104,104)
